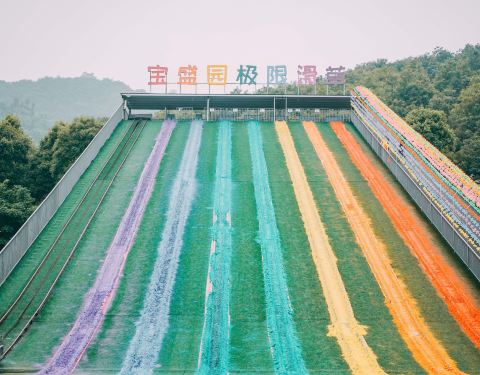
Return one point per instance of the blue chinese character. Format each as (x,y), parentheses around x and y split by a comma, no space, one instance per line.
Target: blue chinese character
(276,74)
(247,75)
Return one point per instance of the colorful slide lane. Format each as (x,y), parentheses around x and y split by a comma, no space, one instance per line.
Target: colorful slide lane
(99,298)
(153,323)
(349,333)
(214,350)
(285,346)
(461,305)
(249,342)
(426,349)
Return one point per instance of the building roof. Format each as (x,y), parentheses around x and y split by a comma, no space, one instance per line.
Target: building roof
(146,101)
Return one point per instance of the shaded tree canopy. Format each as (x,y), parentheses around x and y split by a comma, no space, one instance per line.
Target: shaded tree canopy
(70,142)
(432,124)
(465,117)
(16,149)
(468,157)
(16,205)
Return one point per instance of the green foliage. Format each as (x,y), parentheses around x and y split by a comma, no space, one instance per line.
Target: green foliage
(16,149)
(466,113)
(70,143)
(468,157)
(16,205)
(433,125)
(41,163)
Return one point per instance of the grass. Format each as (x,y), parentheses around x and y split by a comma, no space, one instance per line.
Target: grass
(320,352)
(365,295)
(61,309)
(107,350)
(249,346)
(13,285)
(182,342)
(430,304)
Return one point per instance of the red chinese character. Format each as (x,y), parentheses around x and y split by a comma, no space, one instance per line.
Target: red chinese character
(187,75)
(158,75)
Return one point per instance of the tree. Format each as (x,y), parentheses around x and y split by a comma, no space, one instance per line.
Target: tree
(70,143)
(468,157)
(432,124)
(465,117)
(16,150)
(42,178)
(16,205)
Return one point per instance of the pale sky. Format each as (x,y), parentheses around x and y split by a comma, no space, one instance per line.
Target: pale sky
(118,39)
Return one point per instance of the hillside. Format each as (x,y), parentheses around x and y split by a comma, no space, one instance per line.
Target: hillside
(41,103)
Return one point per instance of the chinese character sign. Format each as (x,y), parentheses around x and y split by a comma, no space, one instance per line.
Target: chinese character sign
(158,75)
(276,74)
(335,76)
(307,74)
(247,75)
(217,75)
(187,75)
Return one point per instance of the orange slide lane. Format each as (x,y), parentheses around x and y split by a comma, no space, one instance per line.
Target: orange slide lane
(426,349)
(452,289)
(348,332)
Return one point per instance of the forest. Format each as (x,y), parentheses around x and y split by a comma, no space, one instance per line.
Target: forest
(437,93)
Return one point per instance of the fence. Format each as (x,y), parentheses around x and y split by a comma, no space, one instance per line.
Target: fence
(259,114)
(466,253)
(16,248)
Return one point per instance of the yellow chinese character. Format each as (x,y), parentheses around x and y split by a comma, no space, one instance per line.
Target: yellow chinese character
(217,75)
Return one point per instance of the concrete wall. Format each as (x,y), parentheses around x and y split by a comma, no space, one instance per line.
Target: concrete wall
(16,248)
(468,255)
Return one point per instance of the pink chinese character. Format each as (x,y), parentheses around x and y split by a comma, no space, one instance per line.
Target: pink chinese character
(307,74)
(335,76)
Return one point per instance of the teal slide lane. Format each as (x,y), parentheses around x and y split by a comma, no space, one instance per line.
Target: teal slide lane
(284,342)
(214,355)
(250,349)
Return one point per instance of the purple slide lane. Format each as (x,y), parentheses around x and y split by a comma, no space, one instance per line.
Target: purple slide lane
(99,297)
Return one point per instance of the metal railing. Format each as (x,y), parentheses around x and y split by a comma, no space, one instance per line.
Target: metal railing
(258,114)
(466,253)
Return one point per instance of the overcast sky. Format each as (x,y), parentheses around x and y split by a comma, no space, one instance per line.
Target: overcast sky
(118,38)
